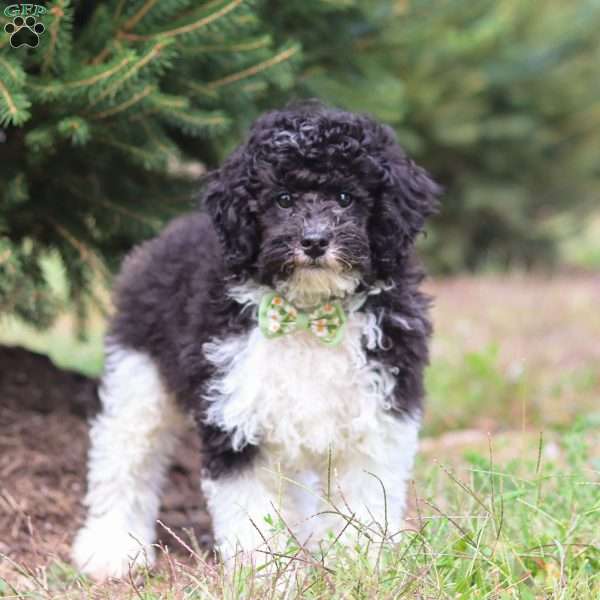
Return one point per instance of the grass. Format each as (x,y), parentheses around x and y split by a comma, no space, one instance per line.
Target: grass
(514,514)
(513,352)
(61,342)
(581,248)
(515,517)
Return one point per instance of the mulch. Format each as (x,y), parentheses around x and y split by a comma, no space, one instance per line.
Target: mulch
(44,413)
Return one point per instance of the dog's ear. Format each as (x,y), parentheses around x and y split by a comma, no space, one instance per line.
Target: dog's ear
(406,196)
(230,207)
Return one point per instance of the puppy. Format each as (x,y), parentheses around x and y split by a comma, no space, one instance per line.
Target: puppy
(287,321)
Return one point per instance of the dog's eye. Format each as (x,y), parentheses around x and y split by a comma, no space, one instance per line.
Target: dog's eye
(285,200)
(344,199)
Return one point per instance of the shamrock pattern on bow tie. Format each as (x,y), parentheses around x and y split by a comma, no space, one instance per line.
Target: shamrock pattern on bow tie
(278,317)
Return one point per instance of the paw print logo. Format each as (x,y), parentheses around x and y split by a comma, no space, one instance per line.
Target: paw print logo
(24,32)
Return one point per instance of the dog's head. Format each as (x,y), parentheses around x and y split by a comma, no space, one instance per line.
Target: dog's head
(318,200)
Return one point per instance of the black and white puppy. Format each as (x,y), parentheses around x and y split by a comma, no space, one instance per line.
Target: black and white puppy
(318,210)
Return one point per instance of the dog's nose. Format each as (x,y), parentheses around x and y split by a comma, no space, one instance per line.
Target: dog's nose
(314,244)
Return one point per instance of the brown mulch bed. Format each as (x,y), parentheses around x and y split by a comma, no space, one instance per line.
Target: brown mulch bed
(43,449)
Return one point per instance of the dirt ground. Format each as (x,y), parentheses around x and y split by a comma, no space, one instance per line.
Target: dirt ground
(43,448)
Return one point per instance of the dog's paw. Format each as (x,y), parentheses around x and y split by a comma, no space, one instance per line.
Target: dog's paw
(102,554)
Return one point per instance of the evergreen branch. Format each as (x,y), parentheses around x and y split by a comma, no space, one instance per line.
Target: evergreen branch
(139,116)
(171,102)
(124,33)
(125,105)
(153,223)
(160,103)
(147,158)
(239,47)
(5,256)
(16,190)
(76,191)
(4,39)
(12,108)
(137,17)
(75,129)
(194,122)
(197,88)
(129,24)
(144,156)
(58,13)
(203,22)
(119,10)
(254,70)
(15,72)
(168,150)
(88,80)
(21,296)
(101,56)
(40,139)
(100,76)
(87,254)
(144,60)
(209,89)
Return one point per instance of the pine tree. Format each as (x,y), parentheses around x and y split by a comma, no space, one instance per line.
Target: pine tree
(100,121)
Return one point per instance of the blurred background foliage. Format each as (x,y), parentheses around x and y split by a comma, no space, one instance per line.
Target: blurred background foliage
(105,127)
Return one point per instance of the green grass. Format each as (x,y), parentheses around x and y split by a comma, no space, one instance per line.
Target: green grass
(499,522)
(582,250)
(60,343)
(478,387)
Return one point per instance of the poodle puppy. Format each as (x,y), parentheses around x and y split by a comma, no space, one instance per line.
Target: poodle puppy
(285,318)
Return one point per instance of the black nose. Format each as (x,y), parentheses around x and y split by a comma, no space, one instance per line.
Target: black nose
(314,244)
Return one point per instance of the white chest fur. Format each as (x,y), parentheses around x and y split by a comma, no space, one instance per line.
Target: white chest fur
(295,391)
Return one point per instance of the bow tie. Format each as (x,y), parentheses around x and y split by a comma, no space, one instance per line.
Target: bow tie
(277,317)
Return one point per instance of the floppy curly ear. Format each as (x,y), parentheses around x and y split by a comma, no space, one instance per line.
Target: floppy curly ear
(230,208)
(407,196)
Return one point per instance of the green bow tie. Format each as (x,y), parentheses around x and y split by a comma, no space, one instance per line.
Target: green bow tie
(277,317)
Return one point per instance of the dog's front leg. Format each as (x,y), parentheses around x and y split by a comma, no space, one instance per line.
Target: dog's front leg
(363,502)
(132,440)
(248,513)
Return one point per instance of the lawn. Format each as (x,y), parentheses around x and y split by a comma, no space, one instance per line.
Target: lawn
(506,495)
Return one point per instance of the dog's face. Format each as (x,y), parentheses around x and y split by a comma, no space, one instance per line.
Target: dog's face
(313,231)
(318,200)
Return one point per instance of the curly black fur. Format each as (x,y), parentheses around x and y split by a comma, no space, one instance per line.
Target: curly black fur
(171,298)
(311,149)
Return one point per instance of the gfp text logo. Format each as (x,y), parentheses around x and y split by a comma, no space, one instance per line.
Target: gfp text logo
(22,10)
